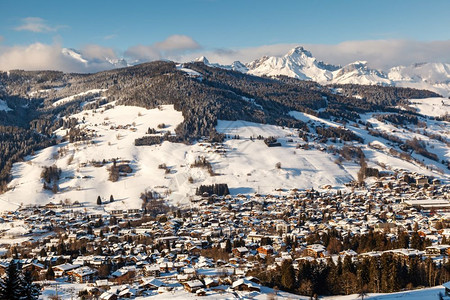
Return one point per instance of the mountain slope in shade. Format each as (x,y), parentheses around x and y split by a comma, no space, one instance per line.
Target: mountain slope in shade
(298,63)
(359,73)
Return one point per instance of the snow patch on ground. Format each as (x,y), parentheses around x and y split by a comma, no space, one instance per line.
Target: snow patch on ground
(71,98)
(4,106)
(252,101)
(190,72)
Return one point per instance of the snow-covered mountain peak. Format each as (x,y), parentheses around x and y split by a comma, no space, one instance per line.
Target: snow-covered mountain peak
(299,50)
(235,66)
(238,66)
(359,63)
(359,72)
(202,59)
(298,63)
(74,54)
(117,62)
(105,62)
(256,63)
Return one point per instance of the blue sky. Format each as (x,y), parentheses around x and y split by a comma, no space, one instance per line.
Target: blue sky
(218,25)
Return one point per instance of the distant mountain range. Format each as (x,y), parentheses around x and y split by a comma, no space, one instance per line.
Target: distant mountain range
(300,63)
(106,62)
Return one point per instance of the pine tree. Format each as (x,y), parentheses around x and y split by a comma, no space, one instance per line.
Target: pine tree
(333,277)
(111,199)
(99,200)
(50,274)
(30,291)
(11,287)
(228,246)
(287,275)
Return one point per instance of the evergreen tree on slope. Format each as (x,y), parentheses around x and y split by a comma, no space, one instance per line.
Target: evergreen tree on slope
(11,286)
(30,290)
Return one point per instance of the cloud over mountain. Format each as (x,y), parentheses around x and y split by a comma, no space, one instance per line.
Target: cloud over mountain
(173,45)
(379,54)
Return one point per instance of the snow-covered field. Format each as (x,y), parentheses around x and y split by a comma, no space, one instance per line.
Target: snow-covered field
(435,107)
(70,291)
(420,294)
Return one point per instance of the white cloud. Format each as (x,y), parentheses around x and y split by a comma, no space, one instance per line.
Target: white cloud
(172,46)
(143,53)
(35,24)
(93,52)
(380,54)
(40,56)
(383,54)
(177,42)
(110,37)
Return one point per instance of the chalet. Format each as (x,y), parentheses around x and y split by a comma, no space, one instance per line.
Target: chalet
(240,251)
(34,266)
(315,250)
(152,270)
(211,282)
(108,296)
(116,212)
(193,285)
(421,181)
(406,253)
(72,237)
(123,275)
(265,250)
(245,285)
(151,284)
(83,274)
(437,250)
(64,269)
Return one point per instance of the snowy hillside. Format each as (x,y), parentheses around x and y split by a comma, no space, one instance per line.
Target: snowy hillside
(242,161)
(73,97)
(434,107)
